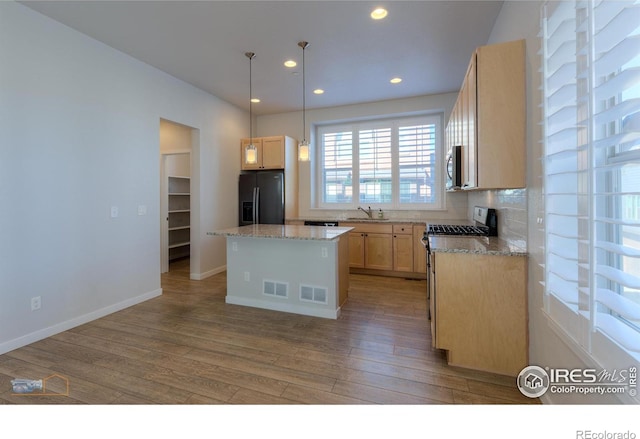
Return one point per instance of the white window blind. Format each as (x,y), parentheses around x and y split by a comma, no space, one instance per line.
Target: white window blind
(375,166)
(591,86)
(388,163)
(417,163)
(337,151)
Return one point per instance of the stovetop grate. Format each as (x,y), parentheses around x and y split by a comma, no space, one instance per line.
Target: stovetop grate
(448,229)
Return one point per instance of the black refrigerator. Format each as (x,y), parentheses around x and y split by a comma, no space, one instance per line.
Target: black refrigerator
(261,198)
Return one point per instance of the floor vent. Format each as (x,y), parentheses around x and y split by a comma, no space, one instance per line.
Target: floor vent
(276,289)
(309,293)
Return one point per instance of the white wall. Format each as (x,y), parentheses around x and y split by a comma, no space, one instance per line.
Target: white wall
(521,19)
(79,133)
(291,124)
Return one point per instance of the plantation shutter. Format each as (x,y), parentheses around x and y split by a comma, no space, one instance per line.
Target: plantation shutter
(337,172)
(591,86)
(417,168)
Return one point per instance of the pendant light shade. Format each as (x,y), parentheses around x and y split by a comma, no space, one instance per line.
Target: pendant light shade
(304,149)
(250,151)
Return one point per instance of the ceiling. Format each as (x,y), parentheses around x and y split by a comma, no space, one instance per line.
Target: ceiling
(352,57)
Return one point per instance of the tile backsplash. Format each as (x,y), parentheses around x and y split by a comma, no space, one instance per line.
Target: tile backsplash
(511,207)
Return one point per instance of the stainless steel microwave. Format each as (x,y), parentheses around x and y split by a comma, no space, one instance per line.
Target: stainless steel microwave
(454,168)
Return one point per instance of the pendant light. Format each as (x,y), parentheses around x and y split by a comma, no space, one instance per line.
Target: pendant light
(250,151)
(304,150)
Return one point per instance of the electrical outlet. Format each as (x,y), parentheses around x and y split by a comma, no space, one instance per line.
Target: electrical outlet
(36,303)
(114,211)
(247,276)
(142,210)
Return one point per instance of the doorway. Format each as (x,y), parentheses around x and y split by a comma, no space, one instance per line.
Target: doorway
(176,195)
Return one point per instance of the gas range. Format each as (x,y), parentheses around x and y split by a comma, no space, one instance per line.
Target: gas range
(446,229)
(486,224)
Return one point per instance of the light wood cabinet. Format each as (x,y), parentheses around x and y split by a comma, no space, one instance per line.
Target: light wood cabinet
(356,250)
(403,248)
(479,310)
(489,120)
(378,251)
(370,246)
(419,252)
(271,152)
(390,249)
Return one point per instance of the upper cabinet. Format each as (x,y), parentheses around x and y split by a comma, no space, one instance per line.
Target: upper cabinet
(271,152)
(488,119)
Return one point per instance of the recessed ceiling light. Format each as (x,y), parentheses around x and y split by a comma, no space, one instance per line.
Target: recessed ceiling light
(379,13)
(255,100)
(290,63)
(318,91)
(396,80)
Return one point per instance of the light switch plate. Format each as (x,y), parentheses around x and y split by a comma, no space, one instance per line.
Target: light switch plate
(142,209)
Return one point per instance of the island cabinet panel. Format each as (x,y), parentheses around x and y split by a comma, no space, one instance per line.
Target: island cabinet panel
(295,269)
(480,311)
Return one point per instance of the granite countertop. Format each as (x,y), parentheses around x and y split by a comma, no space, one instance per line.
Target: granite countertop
(275,231)
(474,244)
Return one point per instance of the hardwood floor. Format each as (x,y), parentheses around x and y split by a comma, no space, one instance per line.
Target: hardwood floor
(189,347)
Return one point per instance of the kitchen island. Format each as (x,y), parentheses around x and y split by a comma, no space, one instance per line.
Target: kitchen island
(297,269)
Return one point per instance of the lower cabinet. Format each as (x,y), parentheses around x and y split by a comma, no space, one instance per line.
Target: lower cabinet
(370,246)
(403,248)
(390,249)
(479,310)
(378,248)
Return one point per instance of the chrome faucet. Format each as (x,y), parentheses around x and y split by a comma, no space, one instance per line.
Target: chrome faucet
(368,212)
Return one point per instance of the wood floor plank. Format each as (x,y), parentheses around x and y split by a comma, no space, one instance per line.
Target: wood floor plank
(188,346)
(376,395)
(306,395)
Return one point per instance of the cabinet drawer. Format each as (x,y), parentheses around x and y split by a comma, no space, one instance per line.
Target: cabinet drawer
(368,228)
(402,229)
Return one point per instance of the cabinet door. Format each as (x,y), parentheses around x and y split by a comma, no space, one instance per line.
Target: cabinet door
(469,152)
(378,252)
(243,154)
(273,152)
(481,311)
(403,252)
(419,252)
(356,249)
(431,298)
(501,116)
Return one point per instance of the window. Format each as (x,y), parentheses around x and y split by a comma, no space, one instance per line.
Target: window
(385,163)
(591,66)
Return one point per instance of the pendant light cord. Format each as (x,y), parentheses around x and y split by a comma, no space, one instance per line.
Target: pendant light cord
(304,45)
(250,55)
(304,106)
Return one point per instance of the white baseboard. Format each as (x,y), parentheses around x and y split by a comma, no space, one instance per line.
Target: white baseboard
(77,321)
(206,274)
(284,307)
